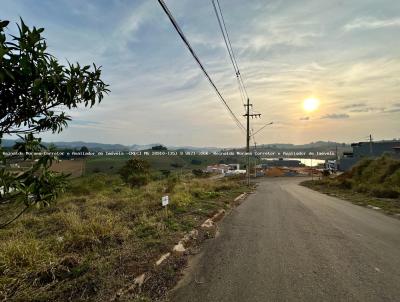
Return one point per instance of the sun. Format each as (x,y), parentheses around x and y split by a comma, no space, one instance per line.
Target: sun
(310,104)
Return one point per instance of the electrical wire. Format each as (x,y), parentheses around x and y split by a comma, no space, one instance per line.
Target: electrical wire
(228,44)
(191,50)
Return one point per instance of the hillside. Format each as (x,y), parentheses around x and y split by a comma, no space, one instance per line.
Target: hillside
(377,177)
(373,182)
(93,146)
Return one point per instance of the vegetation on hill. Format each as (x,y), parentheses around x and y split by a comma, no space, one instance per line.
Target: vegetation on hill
(374,182)
(101,234)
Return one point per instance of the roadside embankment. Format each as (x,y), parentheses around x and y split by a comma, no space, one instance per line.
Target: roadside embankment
(373,182)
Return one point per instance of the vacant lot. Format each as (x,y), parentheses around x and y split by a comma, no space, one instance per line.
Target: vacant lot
(75,167)
(373,182)
(102,234)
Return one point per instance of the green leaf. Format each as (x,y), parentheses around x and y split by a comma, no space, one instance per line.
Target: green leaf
(34,86)
(4,23)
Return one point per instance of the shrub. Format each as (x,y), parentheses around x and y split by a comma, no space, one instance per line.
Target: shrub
(181,199)
(135,172)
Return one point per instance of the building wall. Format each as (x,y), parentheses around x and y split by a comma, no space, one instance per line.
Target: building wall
(363,149)
(378,149)
(346,164)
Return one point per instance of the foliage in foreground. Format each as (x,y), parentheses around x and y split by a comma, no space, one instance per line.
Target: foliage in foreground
(34,92)
(100,235)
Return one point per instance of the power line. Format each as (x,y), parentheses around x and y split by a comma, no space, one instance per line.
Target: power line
(242,95)
(222,26)
(249,112)
(181,34)
(225,38)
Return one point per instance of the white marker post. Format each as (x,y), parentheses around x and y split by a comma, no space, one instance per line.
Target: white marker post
(164,203)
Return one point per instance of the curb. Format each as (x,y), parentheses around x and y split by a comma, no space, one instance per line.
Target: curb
(178,249)
(373,207)
(240,196)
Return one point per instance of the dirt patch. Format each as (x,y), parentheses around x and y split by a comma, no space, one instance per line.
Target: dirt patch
(74,167)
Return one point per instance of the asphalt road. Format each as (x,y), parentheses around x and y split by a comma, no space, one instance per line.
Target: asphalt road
(289,243)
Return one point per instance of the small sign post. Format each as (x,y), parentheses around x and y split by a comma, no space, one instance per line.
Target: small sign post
(164,203)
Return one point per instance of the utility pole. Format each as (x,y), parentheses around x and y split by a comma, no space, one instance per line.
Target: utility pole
(248,141)
(312,169)
(255,158)
(248,115)
(370,144)
(336,153)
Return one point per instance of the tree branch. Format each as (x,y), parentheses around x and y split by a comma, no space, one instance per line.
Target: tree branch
(2,226)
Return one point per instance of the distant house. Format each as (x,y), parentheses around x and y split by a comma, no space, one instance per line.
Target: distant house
(368,149)
(222,168)
(234,166)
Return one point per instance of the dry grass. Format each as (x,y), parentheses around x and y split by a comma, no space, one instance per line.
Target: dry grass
(100,235)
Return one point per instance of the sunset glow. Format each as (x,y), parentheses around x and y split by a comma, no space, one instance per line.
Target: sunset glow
(310,104)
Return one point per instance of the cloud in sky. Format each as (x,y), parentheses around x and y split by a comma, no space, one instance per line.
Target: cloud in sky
(336,116)
(305,118)
(83,122)
(371,23)
(393,110)
(356,105)
(368,109)
(286,52)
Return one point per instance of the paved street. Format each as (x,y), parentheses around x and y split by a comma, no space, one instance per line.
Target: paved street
(289,243)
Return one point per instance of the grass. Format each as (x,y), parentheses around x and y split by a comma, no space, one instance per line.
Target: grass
(372,182)
(101,234)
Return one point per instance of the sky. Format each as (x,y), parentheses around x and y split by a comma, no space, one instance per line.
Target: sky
(344,53)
